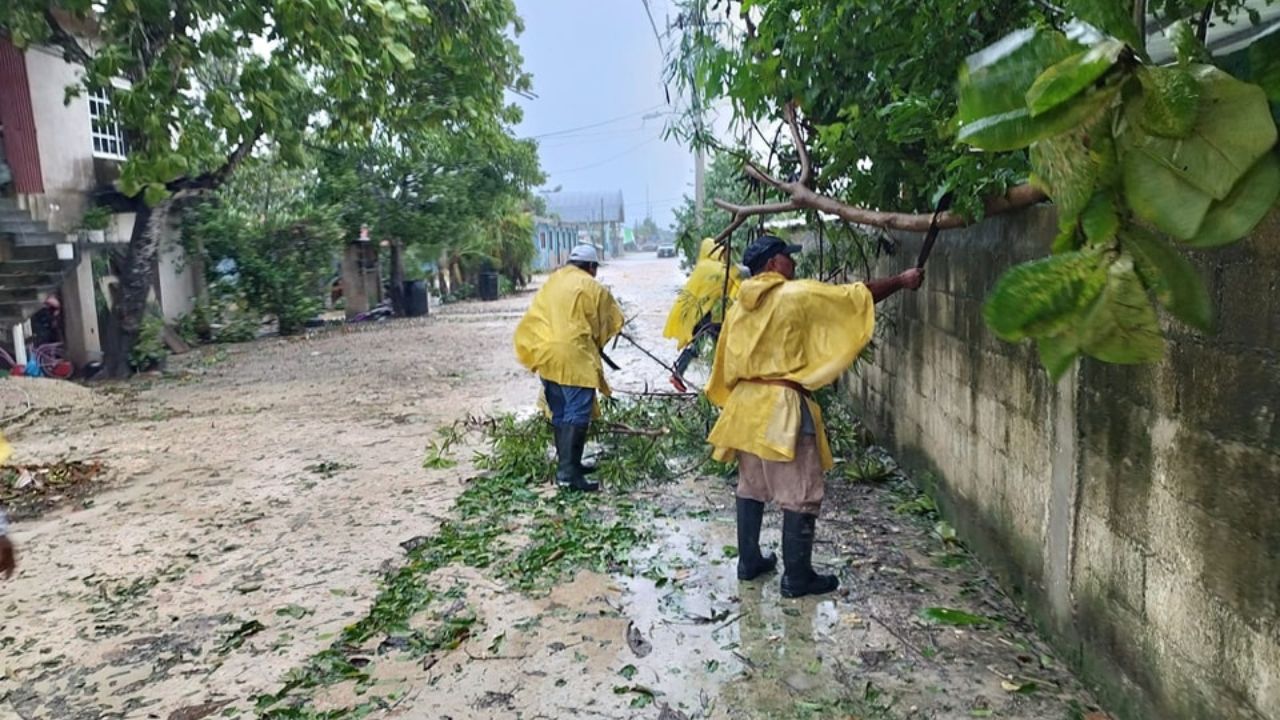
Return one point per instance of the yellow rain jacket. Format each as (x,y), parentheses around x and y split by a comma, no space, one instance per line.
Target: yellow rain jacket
(701,295)
(799,331)
(570,320)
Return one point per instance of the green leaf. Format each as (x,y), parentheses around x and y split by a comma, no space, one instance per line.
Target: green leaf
(1233,129)
(1069,77)
(1122,327)
(1069,168)
(1170,101)
(993,112)
(951,616)
(1058,353)
(628,671)
(1161,197)
(402,53)
(1100,220)
(155,194)
(1111,17)
(1170,277)
(1044,297)
(1186,45)
(1233,218)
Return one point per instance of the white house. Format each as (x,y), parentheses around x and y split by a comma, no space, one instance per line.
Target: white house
(63,158)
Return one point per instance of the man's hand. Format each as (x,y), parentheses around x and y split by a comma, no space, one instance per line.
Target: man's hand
(912,279)
(7,561)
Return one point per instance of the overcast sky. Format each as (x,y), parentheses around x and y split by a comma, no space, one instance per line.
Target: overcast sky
(597,63)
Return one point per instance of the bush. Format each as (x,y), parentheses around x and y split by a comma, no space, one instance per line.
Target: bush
(149,352)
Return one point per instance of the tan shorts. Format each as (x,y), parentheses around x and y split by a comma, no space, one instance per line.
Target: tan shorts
(796,486)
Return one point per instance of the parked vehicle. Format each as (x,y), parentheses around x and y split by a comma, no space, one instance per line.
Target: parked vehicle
(666,251)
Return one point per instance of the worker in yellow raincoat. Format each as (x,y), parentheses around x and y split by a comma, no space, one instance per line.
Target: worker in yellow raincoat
(697,311)
(782,339)
(560,338)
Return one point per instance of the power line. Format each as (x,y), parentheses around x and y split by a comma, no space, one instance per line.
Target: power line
(627,151)
(602,123)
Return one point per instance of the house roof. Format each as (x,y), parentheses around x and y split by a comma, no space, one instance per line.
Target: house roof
(585,207)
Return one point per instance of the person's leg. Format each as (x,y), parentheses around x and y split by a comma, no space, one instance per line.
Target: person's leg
(578,405)
(752,494)
(562,433)
(802,478)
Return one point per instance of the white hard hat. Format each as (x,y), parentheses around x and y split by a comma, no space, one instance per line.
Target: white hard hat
(584,253)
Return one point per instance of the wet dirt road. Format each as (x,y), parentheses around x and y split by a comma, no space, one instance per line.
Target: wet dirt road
(258,495)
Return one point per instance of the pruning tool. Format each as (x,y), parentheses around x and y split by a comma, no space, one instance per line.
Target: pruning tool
(931,237)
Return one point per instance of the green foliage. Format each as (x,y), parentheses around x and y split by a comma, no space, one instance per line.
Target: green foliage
(149,351)
(874,81)
(1186,150)
(280,245)
(96,218)
(196,93)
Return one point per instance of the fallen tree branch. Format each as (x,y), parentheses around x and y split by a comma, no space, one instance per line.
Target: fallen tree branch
(620,429)
(802,197)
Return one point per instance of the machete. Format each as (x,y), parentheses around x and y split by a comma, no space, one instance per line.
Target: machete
(931,237)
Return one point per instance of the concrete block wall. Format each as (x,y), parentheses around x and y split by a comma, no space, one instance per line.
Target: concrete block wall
(1136,510)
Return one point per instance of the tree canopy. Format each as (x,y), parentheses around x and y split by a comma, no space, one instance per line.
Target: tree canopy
(1051,102)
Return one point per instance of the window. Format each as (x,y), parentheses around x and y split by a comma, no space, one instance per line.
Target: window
(542,240)
(108,140)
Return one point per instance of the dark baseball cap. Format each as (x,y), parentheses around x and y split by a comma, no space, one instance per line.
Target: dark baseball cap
(763,248)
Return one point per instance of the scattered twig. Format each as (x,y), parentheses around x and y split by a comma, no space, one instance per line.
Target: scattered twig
(910,645)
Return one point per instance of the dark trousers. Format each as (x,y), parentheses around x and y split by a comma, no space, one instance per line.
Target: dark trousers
(570,405)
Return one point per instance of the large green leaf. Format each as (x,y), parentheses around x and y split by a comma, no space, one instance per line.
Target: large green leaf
(1170,101)
(1071,167)
(1170,277)
(993,112)
(1233,129)
(1100,220)
(1111,17)
(1230,219)
(1044,297)
(1058,352)
(1122,327)
(1162,198)
(1069,77)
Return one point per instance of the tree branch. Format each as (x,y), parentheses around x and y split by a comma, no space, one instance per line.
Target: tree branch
(806,168)
(216,177)
(71,49)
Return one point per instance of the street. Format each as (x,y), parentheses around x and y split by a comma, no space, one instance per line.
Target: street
(258,493)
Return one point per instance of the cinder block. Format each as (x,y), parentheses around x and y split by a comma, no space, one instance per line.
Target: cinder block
(1183,615)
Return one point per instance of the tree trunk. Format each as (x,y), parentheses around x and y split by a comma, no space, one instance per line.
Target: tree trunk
(135,275)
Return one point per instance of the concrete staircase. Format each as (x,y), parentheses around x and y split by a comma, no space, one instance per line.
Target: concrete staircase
(29,264)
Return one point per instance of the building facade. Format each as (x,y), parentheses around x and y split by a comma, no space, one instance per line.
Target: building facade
(63,157)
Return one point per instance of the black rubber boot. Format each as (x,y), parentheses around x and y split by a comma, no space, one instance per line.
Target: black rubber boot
(575,442)
(751,562)
(565,471)
(798,577)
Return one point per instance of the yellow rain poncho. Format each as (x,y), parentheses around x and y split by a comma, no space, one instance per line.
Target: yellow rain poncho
(701,294)
(799,331)
(570,320)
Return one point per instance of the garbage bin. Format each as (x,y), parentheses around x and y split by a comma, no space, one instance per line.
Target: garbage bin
(488,286)
(415,298)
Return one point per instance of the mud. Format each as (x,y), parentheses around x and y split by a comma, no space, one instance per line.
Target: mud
(256,494)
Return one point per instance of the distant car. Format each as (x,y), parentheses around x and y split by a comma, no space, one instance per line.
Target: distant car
(666,251)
